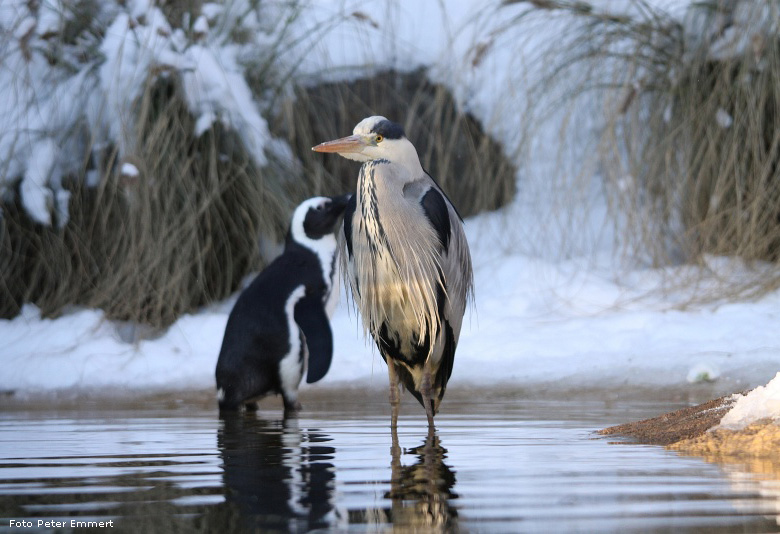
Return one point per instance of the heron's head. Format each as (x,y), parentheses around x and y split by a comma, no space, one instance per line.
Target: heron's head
(375,138)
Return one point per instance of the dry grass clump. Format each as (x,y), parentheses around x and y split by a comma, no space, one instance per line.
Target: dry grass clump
(147,248)
(691,148)
(185,231)
(453,148)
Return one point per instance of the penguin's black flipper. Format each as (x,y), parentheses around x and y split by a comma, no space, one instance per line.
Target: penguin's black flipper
(311,317)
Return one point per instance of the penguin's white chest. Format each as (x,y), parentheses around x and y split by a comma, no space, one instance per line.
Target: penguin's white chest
(291,366)
(325,249)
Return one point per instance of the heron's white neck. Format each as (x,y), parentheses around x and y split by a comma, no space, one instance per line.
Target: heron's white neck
(398,151)
(405,154)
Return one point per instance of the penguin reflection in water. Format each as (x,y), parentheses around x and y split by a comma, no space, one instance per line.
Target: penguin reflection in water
(280,323)
(277,477)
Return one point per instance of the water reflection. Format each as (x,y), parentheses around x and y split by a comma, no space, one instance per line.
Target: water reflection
(277,475)
(750,476)
(421,492)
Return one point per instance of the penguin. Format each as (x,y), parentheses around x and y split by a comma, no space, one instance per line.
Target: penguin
(280,323)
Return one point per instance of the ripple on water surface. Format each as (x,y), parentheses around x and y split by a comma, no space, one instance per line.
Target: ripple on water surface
(498,470)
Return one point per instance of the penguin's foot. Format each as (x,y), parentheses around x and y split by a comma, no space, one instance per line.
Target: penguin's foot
(292,406)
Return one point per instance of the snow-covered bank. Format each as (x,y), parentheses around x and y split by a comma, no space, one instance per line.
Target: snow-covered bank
(533,323)
(761,403)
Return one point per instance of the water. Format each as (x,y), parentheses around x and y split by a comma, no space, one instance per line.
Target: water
(500,466)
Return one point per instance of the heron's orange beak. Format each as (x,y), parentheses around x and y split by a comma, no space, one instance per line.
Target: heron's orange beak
(352,143)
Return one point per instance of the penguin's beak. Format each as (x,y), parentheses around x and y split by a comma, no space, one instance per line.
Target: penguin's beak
(339,203)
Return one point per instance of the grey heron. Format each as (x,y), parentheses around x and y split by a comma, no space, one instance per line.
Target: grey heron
(407,261)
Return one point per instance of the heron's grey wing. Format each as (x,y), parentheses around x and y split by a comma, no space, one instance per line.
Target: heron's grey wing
(346,245)
(349,213)
(435,208)
(436,183)
(455,264)
(313,320)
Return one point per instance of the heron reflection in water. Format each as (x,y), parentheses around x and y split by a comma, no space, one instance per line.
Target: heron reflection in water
(421,492)
(277,476)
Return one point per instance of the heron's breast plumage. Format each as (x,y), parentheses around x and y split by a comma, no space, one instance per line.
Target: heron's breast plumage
(396,264)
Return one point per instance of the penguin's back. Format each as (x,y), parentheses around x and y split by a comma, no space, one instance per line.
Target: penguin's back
(261,331)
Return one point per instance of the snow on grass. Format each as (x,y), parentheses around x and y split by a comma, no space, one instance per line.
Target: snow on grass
(215,88)
(128,169)
(36,197)
(761,403)
(81,92)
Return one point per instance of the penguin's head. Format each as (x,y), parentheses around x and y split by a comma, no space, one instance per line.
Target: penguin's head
(317,217)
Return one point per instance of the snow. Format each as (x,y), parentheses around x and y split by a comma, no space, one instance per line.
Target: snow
(201,25)
(535,323)
(50,17)
(36,197)
(723,118)
(215,88)
(744,30)
(25,27)
(761,403)
(128,169)
(83,350)
(211,11)
(550,310)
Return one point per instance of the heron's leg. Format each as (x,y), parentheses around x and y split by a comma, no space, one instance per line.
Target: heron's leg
(427,394)
(395,397)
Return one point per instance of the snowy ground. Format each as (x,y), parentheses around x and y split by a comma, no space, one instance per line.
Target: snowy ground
(534,323)
(538,320)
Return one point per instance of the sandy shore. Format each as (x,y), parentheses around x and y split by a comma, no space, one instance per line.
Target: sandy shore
(693,431)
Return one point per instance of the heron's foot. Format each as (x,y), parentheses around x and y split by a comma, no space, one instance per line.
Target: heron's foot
(427,397)
(429,413)
(395,394)
(395,447)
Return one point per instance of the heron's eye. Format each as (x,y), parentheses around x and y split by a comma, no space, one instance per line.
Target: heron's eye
(379,138)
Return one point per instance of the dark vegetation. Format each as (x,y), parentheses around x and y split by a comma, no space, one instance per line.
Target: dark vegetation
(452,145)
(186,230)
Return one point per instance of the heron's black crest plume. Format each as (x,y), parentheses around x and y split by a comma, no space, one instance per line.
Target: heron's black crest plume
(389,130)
